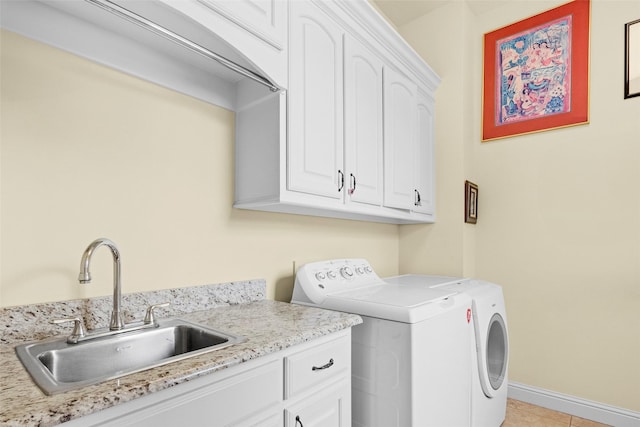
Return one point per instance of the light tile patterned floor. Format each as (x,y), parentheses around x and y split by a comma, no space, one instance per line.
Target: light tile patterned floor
(521,414)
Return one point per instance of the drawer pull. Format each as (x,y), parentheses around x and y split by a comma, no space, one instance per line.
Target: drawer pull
(298,421)
(328,365)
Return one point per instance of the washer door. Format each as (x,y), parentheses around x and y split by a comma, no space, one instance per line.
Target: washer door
(493,356)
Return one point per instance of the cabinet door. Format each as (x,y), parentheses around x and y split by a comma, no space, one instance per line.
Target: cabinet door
(250,398)
(315,109)
(266,19)
(363,123)
(424,195)
(399,139)
(329,408)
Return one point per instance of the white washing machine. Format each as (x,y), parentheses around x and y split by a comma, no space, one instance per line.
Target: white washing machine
(411,358)
(490,347)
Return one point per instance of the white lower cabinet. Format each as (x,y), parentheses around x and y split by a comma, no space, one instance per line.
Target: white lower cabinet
(315,386)
(305,385)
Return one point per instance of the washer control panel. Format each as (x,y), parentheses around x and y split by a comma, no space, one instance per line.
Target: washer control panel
(314,281)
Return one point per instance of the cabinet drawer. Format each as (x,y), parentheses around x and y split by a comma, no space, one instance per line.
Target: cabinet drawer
(310,367)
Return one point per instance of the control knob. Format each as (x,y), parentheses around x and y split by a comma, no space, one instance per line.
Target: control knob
(347,272)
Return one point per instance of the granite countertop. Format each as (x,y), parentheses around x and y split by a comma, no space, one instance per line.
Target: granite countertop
(268,326)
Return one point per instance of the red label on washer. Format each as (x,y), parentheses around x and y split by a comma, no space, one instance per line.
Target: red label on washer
(468,315)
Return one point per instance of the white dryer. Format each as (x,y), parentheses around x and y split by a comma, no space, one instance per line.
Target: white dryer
(490,347)
(491,358)
(411,356)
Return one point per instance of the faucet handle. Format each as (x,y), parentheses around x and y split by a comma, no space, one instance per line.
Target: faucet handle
(78,328)
(149,317)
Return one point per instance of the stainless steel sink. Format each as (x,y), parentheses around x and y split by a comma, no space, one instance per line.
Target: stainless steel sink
(58,366)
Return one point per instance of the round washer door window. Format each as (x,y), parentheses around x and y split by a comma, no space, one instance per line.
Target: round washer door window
(496,351)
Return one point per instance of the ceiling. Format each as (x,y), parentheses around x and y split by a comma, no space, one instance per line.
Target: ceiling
(401,12)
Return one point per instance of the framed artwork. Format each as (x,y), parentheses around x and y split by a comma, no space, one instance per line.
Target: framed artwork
(536,73)
(632,59)
(470,202)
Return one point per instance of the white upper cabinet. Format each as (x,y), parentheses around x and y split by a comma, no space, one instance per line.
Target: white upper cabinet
(363,123)
(334,110)
(348,139)
(315,104)
(400,134)
(335,136)
(257,28)
(163,41)
(408,144)
(265,19)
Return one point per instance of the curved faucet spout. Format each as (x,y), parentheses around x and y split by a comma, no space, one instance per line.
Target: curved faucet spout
(85,277)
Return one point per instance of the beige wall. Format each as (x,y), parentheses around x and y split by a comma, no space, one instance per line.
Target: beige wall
(440,248)
(559,212)
(88,152)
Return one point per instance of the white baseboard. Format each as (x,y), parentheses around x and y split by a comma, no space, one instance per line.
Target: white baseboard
(582,408)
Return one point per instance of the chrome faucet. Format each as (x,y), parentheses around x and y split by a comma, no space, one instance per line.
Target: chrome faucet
(117,323)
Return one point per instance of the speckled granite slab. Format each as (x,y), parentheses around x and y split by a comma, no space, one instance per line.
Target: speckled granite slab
(239,309)
(33,322)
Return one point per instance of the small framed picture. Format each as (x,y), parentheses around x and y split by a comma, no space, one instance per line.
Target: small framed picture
(632,59)
(470,202)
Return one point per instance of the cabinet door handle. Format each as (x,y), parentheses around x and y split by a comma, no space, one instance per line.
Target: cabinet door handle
(298,421)
(340,180)
(320,368)
(418,201)
(353,183)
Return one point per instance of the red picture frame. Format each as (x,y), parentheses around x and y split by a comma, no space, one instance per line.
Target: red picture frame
(536,73)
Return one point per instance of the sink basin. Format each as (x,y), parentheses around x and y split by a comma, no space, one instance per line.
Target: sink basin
(57,366)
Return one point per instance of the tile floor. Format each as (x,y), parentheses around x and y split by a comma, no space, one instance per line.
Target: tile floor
(521,414)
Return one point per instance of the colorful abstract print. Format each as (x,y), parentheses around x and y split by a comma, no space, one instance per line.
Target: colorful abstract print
(534,72)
